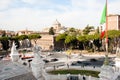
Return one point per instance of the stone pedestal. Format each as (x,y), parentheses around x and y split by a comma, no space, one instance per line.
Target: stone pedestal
(37,64)
(14,53)
(107,73)
(15,57)
(117,62)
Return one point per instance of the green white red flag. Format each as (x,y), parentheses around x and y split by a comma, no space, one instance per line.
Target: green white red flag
(103,21)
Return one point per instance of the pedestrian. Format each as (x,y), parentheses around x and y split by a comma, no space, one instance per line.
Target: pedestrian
(84,78)
(68,65)
(54,67)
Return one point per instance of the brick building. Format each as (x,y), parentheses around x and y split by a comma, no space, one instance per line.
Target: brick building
(114,22)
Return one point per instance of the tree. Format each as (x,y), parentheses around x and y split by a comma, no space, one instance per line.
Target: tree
(34,37)
(114,39)
(61,37)
(5,42)
(87,29)
(70,39)
(16,40)
(113,33)
(97,43)
(3,33)
(72,30)
(82,39)
(22,37)
(51,31)
(98,30)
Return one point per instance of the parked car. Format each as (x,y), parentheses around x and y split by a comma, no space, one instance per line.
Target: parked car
(46,61)
(54,59)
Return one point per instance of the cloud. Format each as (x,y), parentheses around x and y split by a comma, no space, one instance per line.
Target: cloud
(38,14)
(113,7)
(30,1)
(22,18)
(82,13)
(5,4)
(36,2)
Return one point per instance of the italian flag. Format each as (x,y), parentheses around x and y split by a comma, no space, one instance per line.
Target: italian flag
(103,21)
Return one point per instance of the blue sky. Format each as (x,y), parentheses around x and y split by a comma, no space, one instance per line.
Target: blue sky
(37,14)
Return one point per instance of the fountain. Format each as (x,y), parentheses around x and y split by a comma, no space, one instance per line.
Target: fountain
(14,53)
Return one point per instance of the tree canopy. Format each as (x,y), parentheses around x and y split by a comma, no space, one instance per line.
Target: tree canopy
(51,31)
(87,29)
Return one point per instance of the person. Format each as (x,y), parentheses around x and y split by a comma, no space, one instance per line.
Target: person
(68,65)
(84,78)
(54,67)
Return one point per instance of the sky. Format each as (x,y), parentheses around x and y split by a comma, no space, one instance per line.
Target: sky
(16,15)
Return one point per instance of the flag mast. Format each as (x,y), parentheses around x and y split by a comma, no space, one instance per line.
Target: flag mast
(106,40)
(106,29)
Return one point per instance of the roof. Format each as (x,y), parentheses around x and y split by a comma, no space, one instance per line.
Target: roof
(113,15)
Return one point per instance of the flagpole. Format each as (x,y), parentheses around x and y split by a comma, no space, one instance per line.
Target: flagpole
(106,40)
(106,29)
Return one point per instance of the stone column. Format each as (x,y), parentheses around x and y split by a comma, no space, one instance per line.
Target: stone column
(117,59)
(14,53)
(37,64)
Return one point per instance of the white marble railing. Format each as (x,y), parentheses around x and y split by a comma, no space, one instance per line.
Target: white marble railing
(66,77)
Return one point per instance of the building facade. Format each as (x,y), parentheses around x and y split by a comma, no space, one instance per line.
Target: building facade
(114,22)
(46,41)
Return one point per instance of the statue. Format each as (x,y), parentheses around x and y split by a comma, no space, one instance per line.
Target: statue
(118,52)
(14,53)
(37,49)
(37,64)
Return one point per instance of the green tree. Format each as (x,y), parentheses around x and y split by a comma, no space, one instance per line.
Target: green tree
(5,42)
(34,37)
(51,31)
(72,30)
(113,33)
(16,40)
(70,39)
(61,37)
(97,30)
(82,39)
(87,29)
(114,39)
(22,37)
(3,33)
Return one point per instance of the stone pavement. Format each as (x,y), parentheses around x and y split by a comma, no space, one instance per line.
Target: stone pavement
(14,71)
